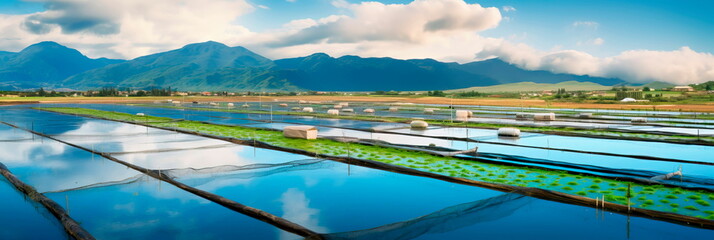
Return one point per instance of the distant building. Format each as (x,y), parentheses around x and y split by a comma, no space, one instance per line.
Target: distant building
(628,94)
(683,89)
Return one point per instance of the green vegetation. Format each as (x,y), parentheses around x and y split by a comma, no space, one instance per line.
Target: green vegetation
(645,195)
(535,87)
(437,122)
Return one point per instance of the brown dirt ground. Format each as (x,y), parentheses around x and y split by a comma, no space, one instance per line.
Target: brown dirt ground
(706,107)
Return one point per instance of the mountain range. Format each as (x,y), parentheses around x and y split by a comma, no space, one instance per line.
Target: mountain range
(44,64)
(212,66)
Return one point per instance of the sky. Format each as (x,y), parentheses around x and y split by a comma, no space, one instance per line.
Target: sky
(635,40)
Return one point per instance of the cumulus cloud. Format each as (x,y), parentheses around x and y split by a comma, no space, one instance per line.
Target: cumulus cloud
(587,24)
(446,30)
(681,66)
(413,22)
(127,28)
(592,42)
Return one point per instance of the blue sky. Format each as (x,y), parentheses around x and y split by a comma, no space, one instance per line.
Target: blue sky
(596,37)
(544,24)
(625,25)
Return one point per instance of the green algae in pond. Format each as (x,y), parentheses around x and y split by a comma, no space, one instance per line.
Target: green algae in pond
(424,162)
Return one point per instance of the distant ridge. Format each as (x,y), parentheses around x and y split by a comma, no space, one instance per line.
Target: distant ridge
(208,66)
(44,64)
(536,87)
(213,66)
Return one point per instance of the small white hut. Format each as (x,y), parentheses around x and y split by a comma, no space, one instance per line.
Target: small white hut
(245,105)
(140,114)
(283,105)
(393,109)
(307,109)
(337,106)
(429,110)
(461,114)
(509,132)
(638,120)
(544,116)
(213,104)
(300,131)
(344,104)
(348,110)
(230,104)
(368,110)
(333,112)
(419,124)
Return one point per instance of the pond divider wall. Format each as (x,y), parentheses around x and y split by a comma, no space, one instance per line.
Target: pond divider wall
(642,177)
(528,191)
(526,146)
(693,141)
(70,226)
(230,204)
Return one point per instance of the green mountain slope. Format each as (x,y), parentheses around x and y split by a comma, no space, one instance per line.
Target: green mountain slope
(536,87)
(195,67)
(44,64)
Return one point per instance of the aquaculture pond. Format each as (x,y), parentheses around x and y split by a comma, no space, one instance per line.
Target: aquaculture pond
(678,151)
(112,201)
(697,153)
(344,201)
(656,197)
(24,219)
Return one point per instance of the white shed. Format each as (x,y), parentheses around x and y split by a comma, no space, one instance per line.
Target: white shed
(419,124)
(348,110)
(283,105)
(462,114)
(344,104)
(337,106)
(245,105)
(368,110)
(429,110)
(393,109)
(230,104)
(307,109)
(509,132)
(544,116)
(140,114)
(333,112)
(300,131)
(628,100)
(638,120)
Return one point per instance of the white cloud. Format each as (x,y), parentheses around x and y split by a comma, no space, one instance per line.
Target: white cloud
(592,42)
(446,30)
(598,41)
(127,28)
(414,22)
(340,4)
(587,24)
(508,9)
(682,66)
